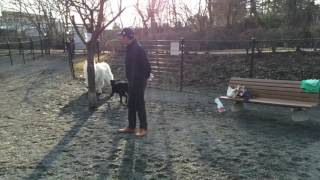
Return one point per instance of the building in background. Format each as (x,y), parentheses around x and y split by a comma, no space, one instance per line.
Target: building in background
(28,25)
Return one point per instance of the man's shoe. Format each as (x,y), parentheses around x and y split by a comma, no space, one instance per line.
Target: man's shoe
(126,130)
(141,132)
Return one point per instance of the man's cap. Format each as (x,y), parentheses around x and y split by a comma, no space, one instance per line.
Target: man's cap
(128,32)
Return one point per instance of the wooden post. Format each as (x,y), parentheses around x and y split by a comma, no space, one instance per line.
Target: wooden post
(45,43)
(22,51)
(49,45)
(70,58)
(32,49)
(157,58)
(181,63)
(8,45)
(98,48)
(41,46)
(313,44)
(252,56)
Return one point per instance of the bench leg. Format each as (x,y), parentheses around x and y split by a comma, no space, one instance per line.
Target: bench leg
(299,114)
(236,107)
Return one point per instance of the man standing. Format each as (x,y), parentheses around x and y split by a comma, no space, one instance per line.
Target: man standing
(137,72)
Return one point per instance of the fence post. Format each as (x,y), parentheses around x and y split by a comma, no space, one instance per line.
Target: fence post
(41,46)
(8,45)
(64,42)
(98,48)
(49,45)
(313,44)
(157,58)
(181,63)
(252,56)
(32,49)
(70,46)
(22,50)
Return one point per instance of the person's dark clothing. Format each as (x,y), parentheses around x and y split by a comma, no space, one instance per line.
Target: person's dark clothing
(137,64)
(137,72)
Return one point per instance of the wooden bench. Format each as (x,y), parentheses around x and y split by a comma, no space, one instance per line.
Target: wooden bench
(275,92)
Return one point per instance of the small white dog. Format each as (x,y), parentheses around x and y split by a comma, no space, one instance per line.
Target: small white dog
(103,75)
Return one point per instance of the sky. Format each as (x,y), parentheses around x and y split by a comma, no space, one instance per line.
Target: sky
(129,17)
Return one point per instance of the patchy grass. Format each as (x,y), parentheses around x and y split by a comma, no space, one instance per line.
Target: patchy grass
(79,62)
(78,65)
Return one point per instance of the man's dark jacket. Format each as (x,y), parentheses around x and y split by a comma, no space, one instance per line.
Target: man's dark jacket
(137,64)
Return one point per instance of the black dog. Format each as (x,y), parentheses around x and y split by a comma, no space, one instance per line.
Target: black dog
(120,87)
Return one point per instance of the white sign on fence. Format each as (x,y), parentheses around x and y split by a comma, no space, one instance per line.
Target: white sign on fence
(87,36)
(174,49)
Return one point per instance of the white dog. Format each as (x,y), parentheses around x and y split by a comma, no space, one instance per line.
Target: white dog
(103,75)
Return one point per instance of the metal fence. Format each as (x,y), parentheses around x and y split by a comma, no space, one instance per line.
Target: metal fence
(174,72)
(25,49)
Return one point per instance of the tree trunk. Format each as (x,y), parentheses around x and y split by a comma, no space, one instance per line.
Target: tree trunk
(292,12)
(253,8)
(92,98)
(229,11)
(210,12)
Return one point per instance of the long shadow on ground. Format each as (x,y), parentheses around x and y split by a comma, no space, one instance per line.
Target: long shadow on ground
(79,109)
(108,164)
(129,158)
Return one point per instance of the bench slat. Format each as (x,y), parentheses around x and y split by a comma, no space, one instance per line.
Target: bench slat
(266,80)
(285,102)
(283,89)
(279,102)
(265,84)
(277,96)
(285,95)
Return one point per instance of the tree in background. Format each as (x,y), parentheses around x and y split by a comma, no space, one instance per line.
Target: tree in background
(150,14)
(1,7)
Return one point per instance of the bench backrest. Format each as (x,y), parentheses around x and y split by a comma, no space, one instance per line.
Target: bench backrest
(275,89)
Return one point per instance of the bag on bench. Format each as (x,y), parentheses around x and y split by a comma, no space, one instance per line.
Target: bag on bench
(232,92)
(310,85)
(239,91)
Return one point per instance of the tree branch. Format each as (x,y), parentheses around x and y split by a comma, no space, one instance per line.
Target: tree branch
(99,31)
(77,30)
(78,8)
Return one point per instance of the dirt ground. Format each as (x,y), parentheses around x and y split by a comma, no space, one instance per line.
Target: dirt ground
(47,132)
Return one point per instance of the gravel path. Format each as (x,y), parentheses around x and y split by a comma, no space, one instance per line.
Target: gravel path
(47,132)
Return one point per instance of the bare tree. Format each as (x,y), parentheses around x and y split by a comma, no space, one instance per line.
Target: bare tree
(1,6)
(210,5)
(177,13)
(94,20)
(186,15)
(144,16)
(198,21)
(150,13)
(253,8)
